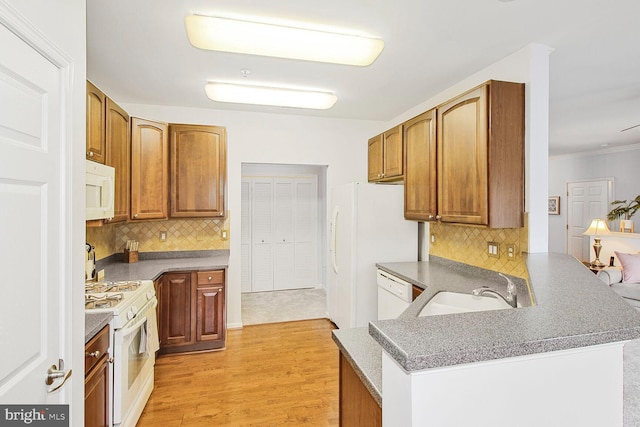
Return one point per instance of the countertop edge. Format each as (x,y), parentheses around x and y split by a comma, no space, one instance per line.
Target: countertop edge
(360,366)
(574,310)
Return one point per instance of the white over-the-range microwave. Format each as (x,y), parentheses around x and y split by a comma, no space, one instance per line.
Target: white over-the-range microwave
(100,191)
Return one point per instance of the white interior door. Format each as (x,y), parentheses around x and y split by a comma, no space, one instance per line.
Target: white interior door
(36,286)
(245,235)
(283,261)
(262,235)
(586,200)
(306,232)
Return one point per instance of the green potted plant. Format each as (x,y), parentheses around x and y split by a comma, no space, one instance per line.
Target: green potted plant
(624,211)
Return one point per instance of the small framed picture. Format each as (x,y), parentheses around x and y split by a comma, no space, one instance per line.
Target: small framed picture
(554,205)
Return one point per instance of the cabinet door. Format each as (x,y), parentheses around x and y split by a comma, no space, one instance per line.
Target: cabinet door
(118,155)
(96,104)
(462,158)
(393,149)
(175,309)
(198,171)
(96,395)
(149,169)
(210,319)
(376,153)
(420,202)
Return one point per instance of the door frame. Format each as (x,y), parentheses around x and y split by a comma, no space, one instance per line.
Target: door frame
(610,182)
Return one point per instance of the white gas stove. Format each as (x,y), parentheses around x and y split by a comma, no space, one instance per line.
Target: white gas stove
(134,339)
(124,299)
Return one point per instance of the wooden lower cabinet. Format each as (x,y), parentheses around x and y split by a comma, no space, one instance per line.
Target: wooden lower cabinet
(192,311)
(415,292)
(96,380)
(357,407)
(175,310)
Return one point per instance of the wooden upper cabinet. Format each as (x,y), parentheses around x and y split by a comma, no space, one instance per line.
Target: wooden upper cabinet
(149,169)
(198,171)
(393,149)
(480,139)
(96,104)
(376,162)
(386,156)
(118,139)
(420,202)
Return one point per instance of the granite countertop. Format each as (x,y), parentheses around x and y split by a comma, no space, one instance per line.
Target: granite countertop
(93,323)
(151,266)
(365,356)
(573,308)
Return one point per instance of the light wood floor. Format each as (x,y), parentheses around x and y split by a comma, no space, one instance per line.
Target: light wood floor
(269,375)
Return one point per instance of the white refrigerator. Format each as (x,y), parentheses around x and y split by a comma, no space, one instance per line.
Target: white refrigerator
(367,227)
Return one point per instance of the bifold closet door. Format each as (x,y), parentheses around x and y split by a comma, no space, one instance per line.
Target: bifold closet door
(245,236)
(262,235)
(306,233)
(284,245)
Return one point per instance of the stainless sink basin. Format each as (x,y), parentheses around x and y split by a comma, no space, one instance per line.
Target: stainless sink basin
(453,302)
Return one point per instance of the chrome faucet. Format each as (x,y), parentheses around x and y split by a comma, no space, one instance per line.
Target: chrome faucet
(511,298)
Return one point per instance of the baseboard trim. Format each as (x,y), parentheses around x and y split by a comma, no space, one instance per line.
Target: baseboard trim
(234,325)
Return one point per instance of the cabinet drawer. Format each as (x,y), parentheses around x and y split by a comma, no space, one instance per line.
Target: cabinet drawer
(97,347)
(211,277)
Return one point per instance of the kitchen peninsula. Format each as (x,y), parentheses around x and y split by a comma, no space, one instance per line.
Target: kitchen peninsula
(557,362)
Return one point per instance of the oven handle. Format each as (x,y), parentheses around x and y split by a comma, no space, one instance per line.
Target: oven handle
(128,331)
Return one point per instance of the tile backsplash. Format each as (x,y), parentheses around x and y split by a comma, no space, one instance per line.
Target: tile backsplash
(469,245)
(181,235)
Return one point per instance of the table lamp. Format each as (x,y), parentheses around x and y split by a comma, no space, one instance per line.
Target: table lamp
(597,228)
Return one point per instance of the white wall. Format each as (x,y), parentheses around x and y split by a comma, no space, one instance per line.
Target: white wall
(529,65)
(621,165)
(272,138)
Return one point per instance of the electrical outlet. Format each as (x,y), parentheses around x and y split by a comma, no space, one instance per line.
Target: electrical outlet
(492,250)
(433,238)
(511,252)
(163,236)
(224,234)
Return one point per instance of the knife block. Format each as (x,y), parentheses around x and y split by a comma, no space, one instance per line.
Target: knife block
(130,256)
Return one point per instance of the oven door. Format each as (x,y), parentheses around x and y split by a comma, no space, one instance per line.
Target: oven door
(134,358)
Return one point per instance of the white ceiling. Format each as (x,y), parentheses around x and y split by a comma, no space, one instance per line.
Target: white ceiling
(138,52)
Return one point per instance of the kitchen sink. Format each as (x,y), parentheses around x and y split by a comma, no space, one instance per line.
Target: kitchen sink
(454,302)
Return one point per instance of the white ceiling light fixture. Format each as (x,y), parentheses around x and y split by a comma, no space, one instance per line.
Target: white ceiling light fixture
(281,41)
(269,95)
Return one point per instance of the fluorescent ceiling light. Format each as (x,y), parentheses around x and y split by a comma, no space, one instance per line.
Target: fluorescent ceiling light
(256,38)
(268,95)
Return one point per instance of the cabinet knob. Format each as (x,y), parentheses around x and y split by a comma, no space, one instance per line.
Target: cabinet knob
(135,215)
(90,153)
(284,240)
(261,241)
(209,278)
(95,354)
(438,217)
(430,216)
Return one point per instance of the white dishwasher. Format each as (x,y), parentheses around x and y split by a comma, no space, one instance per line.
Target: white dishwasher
(394,295)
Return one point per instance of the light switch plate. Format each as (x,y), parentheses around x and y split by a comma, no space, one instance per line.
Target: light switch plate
(493,249)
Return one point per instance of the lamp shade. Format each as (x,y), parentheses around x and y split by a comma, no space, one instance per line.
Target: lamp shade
(598,227)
